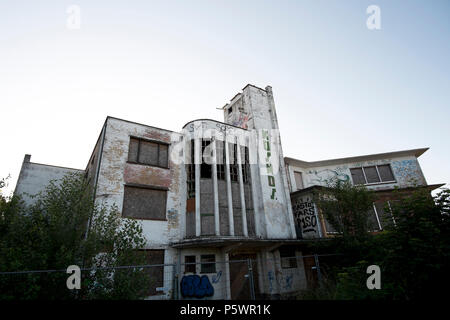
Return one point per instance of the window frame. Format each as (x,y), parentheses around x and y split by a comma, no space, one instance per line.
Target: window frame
(289,260)
(157,142)
(205,264)
(378,174)
(188,265)
(140,186)
(301,179)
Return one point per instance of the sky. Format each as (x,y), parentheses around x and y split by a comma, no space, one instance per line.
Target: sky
(340,88)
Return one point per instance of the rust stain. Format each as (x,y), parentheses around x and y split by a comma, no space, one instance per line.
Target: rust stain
(147,175)
(157,135)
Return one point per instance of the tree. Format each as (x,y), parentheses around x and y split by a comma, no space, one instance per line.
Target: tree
(346,208)
(413,254)
(65,227)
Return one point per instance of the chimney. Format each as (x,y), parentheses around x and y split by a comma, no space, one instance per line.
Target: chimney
(27,158)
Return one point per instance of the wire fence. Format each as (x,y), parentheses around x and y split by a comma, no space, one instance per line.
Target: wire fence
(252,278)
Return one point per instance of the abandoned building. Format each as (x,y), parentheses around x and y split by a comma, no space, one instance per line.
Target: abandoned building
(217,194)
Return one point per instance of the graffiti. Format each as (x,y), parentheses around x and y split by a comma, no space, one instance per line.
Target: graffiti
(407,172)
(323,176)
(221,127)
(270,177)
(288,282)
(242,121)
(192,127)
(305,216)
(216,278)
(194,286)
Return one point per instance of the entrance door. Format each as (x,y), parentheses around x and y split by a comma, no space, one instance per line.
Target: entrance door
(239,281)
(311,272)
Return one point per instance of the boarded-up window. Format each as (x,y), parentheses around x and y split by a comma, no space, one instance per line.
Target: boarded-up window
(208,263)
(144,203)
(133,150)
(148,152)
(189,264)
(298,180)
(156,271)
(357,176)
(288,258)
(386,173)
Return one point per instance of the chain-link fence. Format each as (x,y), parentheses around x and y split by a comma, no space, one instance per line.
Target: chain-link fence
(240,278)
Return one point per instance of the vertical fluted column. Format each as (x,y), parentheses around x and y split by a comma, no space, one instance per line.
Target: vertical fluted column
(229,196)
(197,157)
(215,186)
(241,189)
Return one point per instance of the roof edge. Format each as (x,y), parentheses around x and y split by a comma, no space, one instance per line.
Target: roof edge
(415,152)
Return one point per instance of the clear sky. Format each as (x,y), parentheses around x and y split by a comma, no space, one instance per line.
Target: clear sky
(340,89)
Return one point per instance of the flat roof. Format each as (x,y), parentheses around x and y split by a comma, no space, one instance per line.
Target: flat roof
(52,166)
(376,156)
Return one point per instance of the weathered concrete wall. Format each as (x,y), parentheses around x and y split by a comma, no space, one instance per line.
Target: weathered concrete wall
(406,170)
(256,110)
(34,177)
(115,172)
(219,280)
(274,280)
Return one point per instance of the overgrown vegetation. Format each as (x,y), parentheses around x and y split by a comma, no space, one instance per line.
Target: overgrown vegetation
(64,227)
(413,254)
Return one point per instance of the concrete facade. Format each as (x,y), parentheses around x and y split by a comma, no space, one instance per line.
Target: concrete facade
(231,195)
(34,177)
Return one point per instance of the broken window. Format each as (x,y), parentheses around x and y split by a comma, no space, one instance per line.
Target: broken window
(220,159)
(189,264)
(144,203)
(373,222)
(190,167)
(288,258)
(246,165)
(208,263)
(233,162)
(384,214)
(148,152)
(205,167)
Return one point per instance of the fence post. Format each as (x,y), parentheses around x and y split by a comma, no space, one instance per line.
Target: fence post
(319,274)
(175,281)
(250,278)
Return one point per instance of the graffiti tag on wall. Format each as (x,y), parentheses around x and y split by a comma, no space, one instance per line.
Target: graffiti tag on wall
(270,177)
(305,216)
(193,286)
(323,176)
